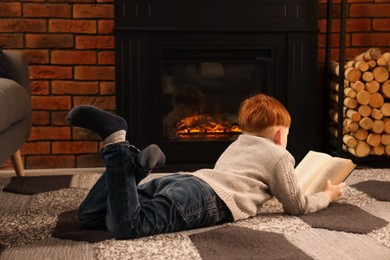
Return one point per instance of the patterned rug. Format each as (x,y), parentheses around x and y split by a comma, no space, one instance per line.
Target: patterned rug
(38,221)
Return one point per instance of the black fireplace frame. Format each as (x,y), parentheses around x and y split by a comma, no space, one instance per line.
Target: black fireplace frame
(143,29)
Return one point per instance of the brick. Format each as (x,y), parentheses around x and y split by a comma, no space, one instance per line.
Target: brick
(73,57)
(50,72)
(15,40)
(58,118)
(36,148)
(47,10)
(49,133)
(353,25)
(335,40)
(89,160)
(321,55)
(95,42)
(321,40)
(56,41)
(93,11)
(369,10)
(322,11)
(94,72)
(37,56)
(71,1)
(106,26)
(322,25)
(106,58)
(50,103)
(73,26)
(22,25)
(358,25)
(335,54)
(75,87)
(48,162)
(32,1)
(39,87)
(105,1)
(79,133)
(361,1)
(381,24)
(75,147)
(322,1)
(107,88)
(370,39)
(40,118)
(103,102)
(10,10)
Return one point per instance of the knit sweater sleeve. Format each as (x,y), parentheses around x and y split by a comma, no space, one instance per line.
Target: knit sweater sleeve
(284,186)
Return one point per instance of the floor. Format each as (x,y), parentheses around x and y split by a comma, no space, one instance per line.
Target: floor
(57,171)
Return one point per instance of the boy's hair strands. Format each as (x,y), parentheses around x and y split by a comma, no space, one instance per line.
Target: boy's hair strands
(260,112)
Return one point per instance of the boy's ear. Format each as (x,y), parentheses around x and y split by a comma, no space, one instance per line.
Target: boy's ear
(278,137)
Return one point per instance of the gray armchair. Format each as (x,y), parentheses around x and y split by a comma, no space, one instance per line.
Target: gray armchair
(15,109)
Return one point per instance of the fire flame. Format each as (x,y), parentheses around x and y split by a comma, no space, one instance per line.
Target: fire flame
(206,127)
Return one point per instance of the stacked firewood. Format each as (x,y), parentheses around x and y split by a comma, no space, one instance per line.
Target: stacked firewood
(366,103)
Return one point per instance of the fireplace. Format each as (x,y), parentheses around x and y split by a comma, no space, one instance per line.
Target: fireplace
(203,87)
(183,68)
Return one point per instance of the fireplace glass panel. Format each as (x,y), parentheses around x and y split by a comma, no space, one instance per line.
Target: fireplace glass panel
(202,91)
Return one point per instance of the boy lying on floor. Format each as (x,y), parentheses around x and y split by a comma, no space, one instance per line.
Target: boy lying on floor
(252,170)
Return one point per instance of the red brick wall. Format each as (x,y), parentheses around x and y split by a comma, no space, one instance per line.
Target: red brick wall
(70,48)
(367,25)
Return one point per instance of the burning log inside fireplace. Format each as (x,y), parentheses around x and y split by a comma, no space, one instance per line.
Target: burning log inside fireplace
(207,128)
(187,121)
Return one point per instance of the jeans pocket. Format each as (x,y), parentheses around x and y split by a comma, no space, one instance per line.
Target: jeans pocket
(195,201)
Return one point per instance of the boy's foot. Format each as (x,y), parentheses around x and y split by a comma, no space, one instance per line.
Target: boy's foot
(95,119)
(151,157)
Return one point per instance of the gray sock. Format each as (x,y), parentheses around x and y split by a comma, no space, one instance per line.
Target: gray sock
(95,119)
(151,157)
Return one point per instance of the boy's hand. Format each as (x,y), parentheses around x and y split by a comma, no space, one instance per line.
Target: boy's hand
(334,192)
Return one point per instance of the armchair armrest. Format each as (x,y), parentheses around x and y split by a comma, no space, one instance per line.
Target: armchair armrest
(18,68)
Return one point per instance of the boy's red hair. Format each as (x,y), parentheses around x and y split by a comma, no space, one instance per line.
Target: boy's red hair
(260,112)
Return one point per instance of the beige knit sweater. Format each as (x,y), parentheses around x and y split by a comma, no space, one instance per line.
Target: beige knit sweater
(251,171)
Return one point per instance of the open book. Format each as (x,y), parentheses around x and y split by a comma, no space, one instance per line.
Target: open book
(315,168)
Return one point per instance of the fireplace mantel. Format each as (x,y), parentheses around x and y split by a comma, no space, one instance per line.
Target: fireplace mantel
(145,30)
(217,15)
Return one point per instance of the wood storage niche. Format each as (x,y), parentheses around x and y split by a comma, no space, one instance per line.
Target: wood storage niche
(365,104)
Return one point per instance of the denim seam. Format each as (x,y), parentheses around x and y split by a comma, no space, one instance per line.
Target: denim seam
(205,191)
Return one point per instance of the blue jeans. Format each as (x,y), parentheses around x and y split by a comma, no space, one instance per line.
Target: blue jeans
(168,204)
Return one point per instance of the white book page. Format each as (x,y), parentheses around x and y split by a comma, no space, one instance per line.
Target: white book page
(335,170)
(310,166)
